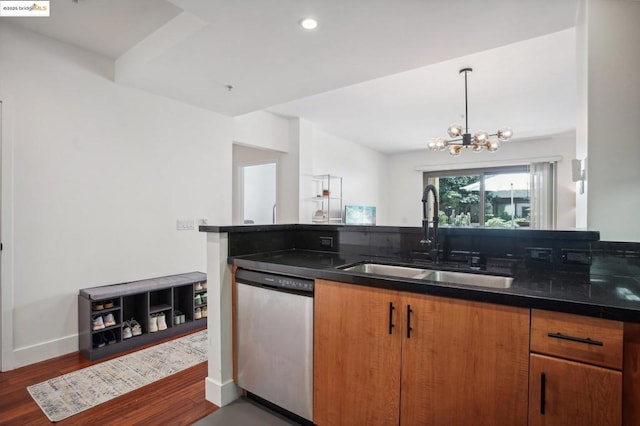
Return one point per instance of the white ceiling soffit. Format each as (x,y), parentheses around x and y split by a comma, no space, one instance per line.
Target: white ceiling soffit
(257,46)
(529,86)
(106,27)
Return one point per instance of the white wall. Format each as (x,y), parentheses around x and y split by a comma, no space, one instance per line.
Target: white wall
(613,108)
(101,173)
(362,169)
(262,129)
(582,117)
(405,181)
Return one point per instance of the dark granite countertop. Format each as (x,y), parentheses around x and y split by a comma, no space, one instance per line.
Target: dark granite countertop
(598,293)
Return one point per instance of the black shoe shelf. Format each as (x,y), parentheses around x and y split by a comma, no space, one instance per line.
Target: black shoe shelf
(173,296)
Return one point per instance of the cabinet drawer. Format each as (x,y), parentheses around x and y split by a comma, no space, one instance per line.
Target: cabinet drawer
(591,340)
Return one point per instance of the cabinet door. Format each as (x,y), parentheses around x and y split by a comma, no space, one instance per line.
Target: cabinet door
(356,359)
(568,393)
(464,363)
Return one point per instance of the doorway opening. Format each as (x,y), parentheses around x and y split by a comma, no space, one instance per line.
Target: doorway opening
(255,183)
(259,194)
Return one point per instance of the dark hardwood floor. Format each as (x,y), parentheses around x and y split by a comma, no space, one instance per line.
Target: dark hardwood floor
(175,400)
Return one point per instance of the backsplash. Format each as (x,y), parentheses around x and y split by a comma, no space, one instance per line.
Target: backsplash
(616,258)
(566,250)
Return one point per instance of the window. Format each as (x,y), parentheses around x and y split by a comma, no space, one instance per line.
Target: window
(505,197)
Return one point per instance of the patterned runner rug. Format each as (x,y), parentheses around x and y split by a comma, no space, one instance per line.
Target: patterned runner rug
(66,395)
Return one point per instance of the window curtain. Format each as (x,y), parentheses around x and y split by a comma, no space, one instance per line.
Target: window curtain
(542,195)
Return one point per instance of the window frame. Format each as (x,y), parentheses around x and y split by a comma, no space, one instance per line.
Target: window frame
(429,177)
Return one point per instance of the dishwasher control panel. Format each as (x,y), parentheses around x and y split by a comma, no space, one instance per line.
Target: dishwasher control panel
(275,281)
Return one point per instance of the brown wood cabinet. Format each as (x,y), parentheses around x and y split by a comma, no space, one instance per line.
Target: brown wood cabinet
(385,357)
(569,393)
(576,370)
(356,360)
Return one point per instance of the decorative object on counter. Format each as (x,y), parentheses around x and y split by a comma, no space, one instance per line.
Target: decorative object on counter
(360,215)
(477,141)
(72,393)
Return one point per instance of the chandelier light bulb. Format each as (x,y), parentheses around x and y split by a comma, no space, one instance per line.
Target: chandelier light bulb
(431,144)
(493,145)
(476,147)
(441,144)
(455,150)
(454,130)
(504,134)
(480,137)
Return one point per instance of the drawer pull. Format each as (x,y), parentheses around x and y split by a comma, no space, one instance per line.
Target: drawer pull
(391,325)
(587,341)
(409,311)
(543,389)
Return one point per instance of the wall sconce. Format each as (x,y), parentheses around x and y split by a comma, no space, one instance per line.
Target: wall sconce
(579,172)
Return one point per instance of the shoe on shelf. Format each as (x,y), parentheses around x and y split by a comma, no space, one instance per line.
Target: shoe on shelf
(110,337)
(162,323)
(99,341)
(98,306)
(204,312)
(109,320)
(153,324)
(126,331)
(198,313)
(198,299)
(136,329)
(204,298)
(204,285)
(108,304)
(177,317)
(98,323)
(198,287)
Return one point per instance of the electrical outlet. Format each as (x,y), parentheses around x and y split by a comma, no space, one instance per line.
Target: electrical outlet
(540,254)
(326,242)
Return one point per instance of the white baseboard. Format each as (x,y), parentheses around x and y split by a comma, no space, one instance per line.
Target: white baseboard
(221,394)
(44,351)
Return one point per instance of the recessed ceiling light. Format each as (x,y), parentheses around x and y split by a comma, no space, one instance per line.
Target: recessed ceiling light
(309,23)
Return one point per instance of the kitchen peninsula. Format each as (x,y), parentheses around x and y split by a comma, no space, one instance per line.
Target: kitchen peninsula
(566,285)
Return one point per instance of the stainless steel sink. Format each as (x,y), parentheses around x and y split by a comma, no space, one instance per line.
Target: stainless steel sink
(389,270)
(492,281)
(452,277)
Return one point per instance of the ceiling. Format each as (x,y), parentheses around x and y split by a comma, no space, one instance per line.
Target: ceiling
(382,73)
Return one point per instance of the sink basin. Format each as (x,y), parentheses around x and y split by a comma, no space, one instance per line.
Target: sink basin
(492,281)
(389,270)
(452,277)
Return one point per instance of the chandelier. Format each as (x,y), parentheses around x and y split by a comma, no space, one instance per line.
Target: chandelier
(477,142)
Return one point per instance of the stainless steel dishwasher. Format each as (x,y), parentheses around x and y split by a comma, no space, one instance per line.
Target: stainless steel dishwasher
(274,326)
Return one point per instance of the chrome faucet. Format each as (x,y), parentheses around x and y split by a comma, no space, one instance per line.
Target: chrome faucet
(434,252)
